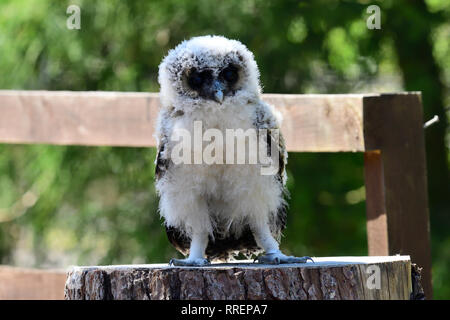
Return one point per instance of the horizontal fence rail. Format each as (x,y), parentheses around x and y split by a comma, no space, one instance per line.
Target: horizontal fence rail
(31,284)
(312,123)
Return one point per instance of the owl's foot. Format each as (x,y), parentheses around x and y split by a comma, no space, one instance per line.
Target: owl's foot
(189,262)
(279,258)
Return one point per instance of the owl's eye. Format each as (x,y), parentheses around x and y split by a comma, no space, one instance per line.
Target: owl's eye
(197,79)
(230,74)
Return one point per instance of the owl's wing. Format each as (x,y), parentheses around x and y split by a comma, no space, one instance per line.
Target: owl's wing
(265,118)
(162,161)
(162,164)
(282,156)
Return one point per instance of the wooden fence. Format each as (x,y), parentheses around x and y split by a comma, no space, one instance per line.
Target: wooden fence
(31,284)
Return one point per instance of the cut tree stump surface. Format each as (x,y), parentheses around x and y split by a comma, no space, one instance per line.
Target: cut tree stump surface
(386,277)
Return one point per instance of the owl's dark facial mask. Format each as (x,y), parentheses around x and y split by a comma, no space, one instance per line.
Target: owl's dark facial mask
(212,85)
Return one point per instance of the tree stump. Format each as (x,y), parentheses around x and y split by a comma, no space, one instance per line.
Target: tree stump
(351,278)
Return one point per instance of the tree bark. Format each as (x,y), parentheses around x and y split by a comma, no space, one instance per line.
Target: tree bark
(336,278)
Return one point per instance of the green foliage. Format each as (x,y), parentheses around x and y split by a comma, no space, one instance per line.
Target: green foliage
(84,205)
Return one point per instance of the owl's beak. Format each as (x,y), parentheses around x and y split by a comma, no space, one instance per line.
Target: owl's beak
(218,96)
(217,91)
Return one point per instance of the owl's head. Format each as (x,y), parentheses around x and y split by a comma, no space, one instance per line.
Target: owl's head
(208,70)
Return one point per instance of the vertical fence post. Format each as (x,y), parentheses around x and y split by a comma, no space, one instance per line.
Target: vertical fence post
(396,182)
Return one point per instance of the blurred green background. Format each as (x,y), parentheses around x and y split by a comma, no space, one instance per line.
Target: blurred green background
(62,206)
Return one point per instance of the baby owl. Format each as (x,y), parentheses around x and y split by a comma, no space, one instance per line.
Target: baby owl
(214,211)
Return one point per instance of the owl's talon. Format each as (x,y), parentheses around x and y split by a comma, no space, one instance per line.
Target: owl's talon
(189,262)
(280,258)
